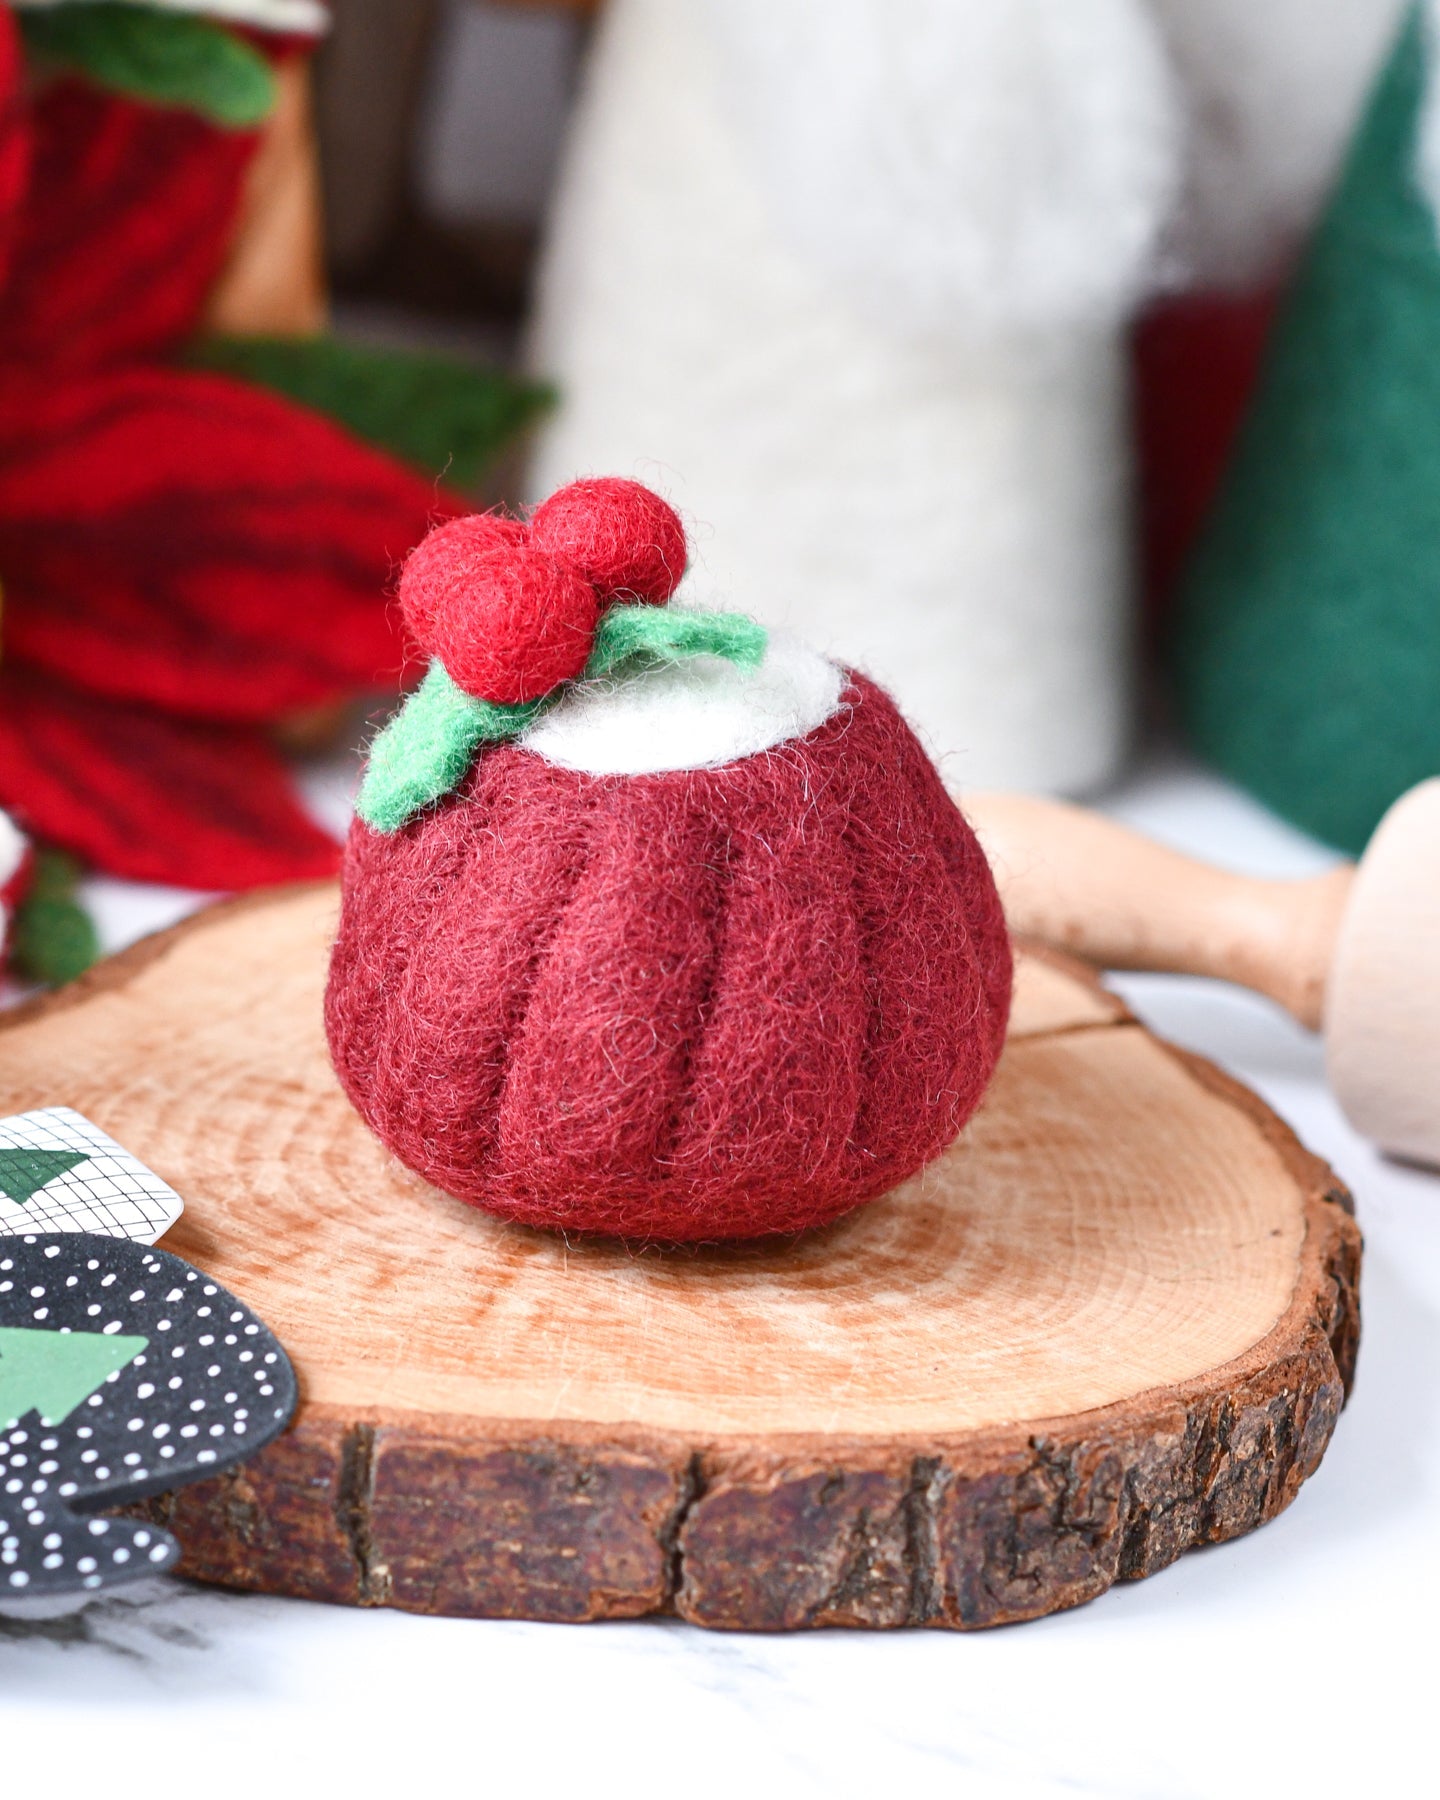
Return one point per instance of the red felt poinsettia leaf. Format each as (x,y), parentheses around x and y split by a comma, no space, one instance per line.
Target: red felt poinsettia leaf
(152,798)
(126,224)
(14,136)
(202,546)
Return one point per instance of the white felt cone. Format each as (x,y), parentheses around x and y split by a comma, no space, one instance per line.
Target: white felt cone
(893,410)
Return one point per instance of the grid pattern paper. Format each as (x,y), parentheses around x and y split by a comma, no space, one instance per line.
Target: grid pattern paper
(109,1192)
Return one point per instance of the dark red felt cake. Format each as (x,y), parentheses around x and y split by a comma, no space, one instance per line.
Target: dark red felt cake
(695,947)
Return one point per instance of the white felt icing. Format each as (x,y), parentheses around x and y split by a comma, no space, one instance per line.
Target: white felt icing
(689,715)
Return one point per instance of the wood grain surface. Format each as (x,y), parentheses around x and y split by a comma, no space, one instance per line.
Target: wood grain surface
(1116,1320)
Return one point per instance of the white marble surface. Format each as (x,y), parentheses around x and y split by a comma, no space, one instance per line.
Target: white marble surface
(1298,1661)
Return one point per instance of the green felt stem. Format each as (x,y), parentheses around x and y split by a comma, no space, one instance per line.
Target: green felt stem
(656,634)
(426,750)
(53,938)
(445,416)
(168,59)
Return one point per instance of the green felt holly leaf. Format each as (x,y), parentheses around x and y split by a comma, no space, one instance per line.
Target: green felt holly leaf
(426,749)
(53,1372)
(24,1171)
(167,59)
(445,416)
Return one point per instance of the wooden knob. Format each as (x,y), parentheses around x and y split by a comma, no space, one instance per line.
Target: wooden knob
(1382,1014)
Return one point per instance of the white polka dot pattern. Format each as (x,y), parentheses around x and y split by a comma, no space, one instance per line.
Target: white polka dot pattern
(205,1386)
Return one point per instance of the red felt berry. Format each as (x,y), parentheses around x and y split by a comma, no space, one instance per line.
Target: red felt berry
(511,623)
(445,561)
(624,537)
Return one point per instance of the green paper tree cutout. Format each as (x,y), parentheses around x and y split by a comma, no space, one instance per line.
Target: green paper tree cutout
(24,1172)
(53,1372)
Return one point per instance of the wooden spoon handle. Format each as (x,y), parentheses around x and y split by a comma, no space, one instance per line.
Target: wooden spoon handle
(1083,884)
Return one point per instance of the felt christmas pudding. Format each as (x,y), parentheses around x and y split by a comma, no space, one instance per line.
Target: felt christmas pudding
(654,924)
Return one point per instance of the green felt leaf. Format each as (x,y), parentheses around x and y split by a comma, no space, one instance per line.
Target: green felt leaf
(426,749)
(169,59)
(53,1372)
(53,939)
(445,416)
(24,1171)
(634,632)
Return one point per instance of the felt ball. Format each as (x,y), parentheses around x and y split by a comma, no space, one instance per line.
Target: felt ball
(445,561)
(621,534)
(694,1004)
(508,621)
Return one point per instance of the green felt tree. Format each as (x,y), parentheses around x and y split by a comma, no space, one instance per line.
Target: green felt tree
(1307,656)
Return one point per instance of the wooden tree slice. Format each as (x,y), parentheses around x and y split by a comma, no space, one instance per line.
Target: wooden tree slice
(1116,1320)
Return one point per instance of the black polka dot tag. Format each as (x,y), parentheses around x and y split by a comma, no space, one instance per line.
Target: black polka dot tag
(123,1372)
